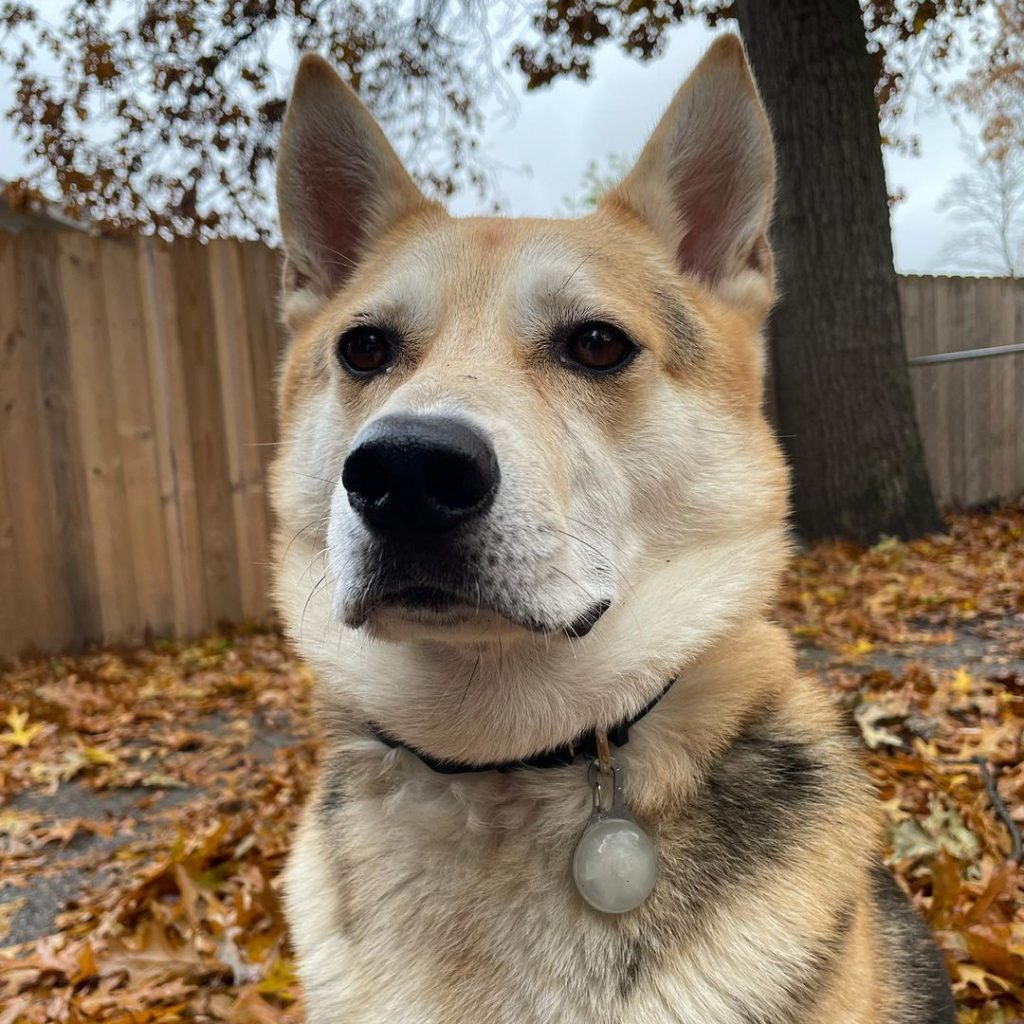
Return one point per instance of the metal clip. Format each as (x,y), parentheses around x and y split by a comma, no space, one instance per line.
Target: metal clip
(607,786)
(604,754)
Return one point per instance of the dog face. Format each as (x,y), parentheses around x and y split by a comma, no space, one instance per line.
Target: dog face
(524,473)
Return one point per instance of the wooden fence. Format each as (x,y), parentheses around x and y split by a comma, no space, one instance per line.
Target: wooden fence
(971,411)
(136,424)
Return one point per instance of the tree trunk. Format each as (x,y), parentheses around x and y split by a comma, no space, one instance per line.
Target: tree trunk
(845,408)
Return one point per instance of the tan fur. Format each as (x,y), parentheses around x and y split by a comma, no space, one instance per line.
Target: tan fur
(421,898)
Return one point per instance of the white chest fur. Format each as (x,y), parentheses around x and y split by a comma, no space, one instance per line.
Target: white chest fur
(446,900)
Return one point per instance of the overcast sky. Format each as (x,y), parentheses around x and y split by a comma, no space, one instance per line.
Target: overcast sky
(540,151)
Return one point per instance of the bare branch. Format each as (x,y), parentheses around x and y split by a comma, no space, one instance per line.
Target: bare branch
(988,203)
(166,119)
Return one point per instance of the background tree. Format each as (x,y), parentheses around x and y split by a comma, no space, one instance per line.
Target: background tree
(167,118)
(988,204)
(845,407)
(993,90)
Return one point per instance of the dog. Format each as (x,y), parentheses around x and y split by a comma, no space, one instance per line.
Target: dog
(531,518)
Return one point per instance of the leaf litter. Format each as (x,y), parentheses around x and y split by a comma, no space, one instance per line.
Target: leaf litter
(167,780)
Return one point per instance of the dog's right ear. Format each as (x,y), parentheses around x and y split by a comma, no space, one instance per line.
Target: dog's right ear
(705,181)
(340,187)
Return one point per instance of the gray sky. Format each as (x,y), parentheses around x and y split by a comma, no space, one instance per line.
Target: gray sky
(540,152)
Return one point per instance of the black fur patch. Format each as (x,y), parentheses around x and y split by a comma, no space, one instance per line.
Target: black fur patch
(334,791)
(756,801)
(912,956)
(759,801)
(632,967)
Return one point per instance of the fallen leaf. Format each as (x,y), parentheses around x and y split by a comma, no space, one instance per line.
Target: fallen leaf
(21,734)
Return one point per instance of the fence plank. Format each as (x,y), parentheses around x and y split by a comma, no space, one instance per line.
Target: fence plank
(960,303)
(31,483)
(261,276)
(1018,418)
(934,382)
(203,392)
(977,393)
(96,422)
(917,311)
(46,328)
(27,556)
(173,437)
(11,616)
(1004,414)
(238,398)
(136,431)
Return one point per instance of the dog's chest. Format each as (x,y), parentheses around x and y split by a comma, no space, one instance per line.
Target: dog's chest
(436,905)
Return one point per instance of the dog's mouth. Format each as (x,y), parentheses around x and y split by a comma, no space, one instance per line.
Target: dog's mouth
(439,607)
(462,590)
(430,598)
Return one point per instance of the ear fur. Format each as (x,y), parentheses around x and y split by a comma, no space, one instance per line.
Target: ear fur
(705,180)
(340,186)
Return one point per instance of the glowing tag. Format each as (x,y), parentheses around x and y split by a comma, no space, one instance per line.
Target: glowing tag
(614,864)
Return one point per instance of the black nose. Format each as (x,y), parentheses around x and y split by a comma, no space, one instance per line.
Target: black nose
(420,474)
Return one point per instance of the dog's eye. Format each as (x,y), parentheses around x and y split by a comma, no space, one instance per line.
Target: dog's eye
(365,350)
(598,347)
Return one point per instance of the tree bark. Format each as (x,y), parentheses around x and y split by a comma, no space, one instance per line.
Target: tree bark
(845,407)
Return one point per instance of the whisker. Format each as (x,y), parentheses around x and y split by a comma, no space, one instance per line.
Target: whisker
(309,526)
(319,479)
(312,593)
(574,582)
(597,551)
(611,563)
(309,568)
(472,676)
(565,283)
(328,620)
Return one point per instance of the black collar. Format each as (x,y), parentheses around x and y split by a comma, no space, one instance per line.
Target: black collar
(558,757)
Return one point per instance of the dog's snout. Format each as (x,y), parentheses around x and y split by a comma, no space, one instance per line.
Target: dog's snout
(420,475)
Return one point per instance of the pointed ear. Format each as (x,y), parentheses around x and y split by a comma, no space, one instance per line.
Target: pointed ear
(340,187)
(705,180)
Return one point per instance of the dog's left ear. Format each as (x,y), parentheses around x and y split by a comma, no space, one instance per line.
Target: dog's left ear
(705,180)
(340,188)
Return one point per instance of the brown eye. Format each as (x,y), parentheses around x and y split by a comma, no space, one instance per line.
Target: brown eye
(598,347)
(365,350)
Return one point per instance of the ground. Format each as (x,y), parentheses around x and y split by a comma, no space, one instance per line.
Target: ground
(146,795)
